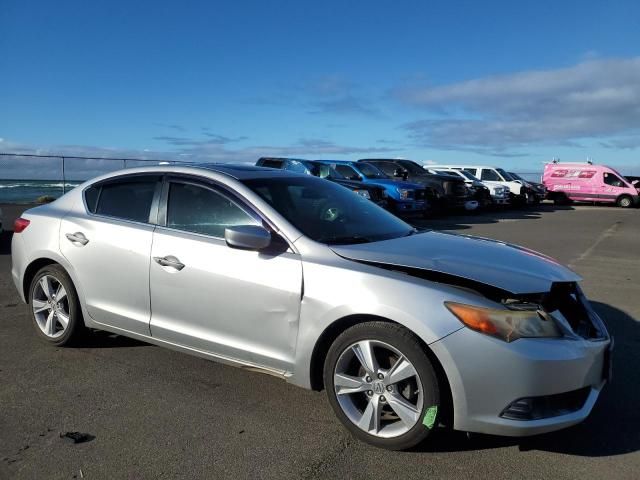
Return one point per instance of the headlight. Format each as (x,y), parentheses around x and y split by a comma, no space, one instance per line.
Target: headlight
(363,193)
(499,192)
(405,194)
(507,325)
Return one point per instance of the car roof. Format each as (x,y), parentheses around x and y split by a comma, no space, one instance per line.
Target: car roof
(240,171)
(343,162)
(235,171)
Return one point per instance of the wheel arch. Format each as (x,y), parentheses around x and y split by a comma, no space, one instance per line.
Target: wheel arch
(624,195)
(332,331)
(32,269)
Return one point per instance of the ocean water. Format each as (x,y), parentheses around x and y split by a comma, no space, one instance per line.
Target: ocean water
(28,191)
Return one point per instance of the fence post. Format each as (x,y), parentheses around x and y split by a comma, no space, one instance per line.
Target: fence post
(64,178)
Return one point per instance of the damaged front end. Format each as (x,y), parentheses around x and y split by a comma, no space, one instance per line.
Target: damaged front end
(563,311)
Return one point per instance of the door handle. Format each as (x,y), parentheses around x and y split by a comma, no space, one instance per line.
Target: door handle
(169,261)
(77,238)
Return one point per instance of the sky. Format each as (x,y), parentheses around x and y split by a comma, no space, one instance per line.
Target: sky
(504,83)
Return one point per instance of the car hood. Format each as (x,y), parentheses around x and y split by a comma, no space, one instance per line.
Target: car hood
(395,183)
(501,265)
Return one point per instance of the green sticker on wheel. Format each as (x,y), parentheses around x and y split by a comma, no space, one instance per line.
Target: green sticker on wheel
(430,417)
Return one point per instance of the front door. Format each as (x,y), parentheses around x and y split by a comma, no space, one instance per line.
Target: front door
(238,304)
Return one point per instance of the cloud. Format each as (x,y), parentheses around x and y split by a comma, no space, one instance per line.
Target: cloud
(214,139)
(176,127)
(80,169)
(347,104)
(596,98)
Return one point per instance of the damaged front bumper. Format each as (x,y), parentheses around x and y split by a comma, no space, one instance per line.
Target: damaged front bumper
(531,385)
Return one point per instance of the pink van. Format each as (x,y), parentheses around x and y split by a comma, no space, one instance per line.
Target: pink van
(585,182)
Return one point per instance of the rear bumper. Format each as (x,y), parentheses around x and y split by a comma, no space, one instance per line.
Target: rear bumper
(486,375)
(18,263)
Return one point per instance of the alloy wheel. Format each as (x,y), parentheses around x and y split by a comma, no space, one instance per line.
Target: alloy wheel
(50,305)
(378,388)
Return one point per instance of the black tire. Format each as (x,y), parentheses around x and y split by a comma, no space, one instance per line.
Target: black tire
(408,344)
(625,201)
(561,199)
(75,329)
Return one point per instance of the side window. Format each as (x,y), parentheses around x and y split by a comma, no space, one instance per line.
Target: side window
(296,166)
(347,171)
(126,199)
(201,210)
(387,167)
(271,163)
(490,175)
(472,171)
(613,180)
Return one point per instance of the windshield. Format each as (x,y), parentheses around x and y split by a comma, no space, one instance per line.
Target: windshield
(468,175)
(370,171)
(515,176)
(505,175)
(327,212)
(412,168)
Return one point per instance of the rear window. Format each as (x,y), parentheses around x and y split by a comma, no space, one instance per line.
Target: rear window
(271,163)
(128,199)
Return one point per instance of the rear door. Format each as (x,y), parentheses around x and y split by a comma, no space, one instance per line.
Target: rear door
(108,243)
(237,304)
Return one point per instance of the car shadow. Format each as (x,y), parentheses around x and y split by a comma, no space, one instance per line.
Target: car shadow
(612,427)
(463,220)
(102,339)
(5,242)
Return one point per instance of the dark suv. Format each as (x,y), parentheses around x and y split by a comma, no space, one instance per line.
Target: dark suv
(451,191)
(310,167)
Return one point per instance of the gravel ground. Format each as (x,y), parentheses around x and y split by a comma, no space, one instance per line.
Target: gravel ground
(155,413)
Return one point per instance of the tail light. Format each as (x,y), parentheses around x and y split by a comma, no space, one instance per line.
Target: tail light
(20,225)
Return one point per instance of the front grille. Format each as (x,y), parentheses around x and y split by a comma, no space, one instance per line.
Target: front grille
(420,194)
(535,408)
(375,194)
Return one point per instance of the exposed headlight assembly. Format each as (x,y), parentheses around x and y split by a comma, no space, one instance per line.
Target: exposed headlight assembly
(507,325)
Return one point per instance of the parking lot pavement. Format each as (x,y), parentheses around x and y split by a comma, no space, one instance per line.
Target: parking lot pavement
(156,413)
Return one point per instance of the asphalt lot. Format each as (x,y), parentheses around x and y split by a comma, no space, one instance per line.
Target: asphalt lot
(156,413)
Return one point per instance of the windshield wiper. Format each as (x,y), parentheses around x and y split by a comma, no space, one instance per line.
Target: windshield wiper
(346,240)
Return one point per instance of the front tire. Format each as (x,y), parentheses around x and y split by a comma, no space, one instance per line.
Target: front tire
(625,201)
(382,386)
(55,309)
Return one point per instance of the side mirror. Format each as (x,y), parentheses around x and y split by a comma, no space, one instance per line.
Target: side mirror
(247,237)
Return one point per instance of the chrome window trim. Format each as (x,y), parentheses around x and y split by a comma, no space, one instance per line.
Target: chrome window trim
(154,201)
(221,189)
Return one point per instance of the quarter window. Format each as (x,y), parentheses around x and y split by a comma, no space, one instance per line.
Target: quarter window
(128,199)
(198,209)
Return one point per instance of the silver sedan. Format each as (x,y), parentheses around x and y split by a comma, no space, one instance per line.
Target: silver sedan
(298,277)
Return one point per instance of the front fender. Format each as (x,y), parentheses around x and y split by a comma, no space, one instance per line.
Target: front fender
(335,292)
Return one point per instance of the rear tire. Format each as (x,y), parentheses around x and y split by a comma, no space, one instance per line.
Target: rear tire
(561,199)
(55,309)
(625,201)
(382,386)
